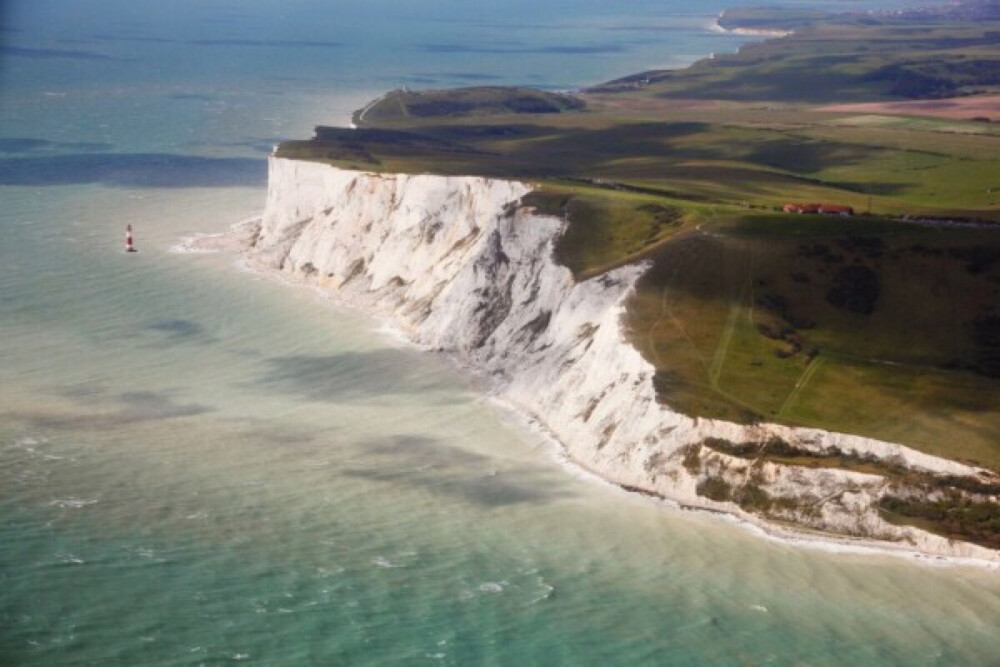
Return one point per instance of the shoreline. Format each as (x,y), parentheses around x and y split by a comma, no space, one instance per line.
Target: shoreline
(772,532)
(751,32)
(234,241)
(561,452)
(717,26)
(356,119)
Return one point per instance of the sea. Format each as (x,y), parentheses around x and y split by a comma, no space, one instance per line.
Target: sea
(202,467)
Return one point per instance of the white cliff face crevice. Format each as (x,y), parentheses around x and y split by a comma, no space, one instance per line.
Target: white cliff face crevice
(459,266)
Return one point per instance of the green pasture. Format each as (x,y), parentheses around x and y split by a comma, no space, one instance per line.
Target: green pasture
(869,325)
(741,326)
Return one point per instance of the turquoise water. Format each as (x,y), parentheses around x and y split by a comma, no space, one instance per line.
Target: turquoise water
(201,467)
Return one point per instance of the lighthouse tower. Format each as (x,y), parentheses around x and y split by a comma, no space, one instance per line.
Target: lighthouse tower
(129,244)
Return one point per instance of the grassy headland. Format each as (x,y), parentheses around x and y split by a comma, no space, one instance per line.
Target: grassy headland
(874,325)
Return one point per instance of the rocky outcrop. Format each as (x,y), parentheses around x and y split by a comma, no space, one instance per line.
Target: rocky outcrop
(460,266)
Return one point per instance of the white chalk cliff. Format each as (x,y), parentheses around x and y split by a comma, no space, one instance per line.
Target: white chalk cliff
(460,266)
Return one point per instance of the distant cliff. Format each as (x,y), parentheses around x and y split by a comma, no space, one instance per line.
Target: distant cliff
(460,266)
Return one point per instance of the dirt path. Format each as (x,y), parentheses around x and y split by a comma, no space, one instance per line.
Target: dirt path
(801,384)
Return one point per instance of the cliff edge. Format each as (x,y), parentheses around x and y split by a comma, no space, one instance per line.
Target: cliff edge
(461,266)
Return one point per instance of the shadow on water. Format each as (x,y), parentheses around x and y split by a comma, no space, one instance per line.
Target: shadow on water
(48,54)
(590,49)
(423,463)
(176,331)
(193,97)
(257,144)
(288,436)
(35,145)
(267,43)
(353,376)
(144,170)
(125,409)
(225,42)
(466,76)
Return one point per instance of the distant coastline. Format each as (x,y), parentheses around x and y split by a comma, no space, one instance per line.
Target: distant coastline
(749,32)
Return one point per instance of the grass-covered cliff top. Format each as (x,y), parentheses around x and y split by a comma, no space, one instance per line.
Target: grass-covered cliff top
(770,19)
(463,102)
(872,324)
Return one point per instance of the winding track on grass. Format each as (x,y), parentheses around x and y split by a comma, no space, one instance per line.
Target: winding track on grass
(719,358)
(804,379)
(666,312)
(735,309)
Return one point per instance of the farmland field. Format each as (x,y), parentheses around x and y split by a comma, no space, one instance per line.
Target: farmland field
(886,324)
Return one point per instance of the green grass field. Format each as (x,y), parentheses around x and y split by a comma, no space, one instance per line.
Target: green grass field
(742,326)
(833,59)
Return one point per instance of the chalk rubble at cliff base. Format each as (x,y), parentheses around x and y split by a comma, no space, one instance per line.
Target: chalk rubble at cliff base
(460,266)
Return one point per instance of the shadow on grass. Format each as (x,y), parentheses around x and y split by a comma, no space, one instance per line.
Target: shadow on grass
(912,348)
(656,150)
(810,157)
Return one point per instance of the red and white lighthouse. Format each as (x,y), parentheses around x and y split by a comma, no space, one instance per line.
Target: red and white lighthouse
(129,245)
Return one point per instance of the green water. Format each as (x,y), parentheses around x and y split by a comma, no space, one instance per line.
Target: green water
(198,466)
(201,467)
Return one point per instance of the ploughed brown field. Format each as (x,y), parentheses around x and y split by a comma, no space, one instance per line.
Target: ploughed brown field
(956,108)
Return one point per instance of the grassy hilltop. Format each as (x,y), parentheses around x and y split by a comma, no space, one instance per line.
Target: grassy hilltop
(872,325)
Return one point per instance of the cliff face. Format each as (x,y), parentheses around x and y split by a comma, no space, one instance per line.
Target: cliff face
(461,267)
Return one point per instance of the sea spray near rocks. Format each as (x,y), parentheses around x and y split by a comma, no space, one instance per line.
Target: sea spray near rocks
(461,267)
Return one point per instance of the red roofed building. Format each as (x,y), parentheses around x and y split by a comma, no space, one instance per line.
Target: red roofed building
(801,208)
(835,209)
